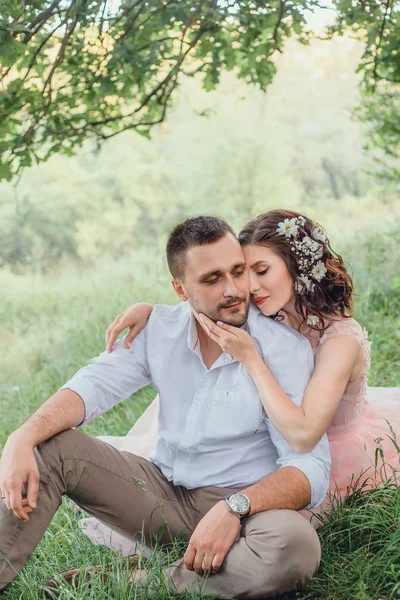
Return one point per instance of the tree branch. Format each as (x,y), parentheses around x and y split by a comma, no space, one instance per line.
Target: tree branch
(61,52)
(150,16)
(381,34)
(105,2)
(174,71)
(131,23)
(40,48)
(41,20)
(282,5)
(126,11)
(190,23)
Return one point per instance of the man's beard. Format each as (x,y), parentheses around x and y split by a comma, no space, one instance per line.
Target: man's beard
(235,317)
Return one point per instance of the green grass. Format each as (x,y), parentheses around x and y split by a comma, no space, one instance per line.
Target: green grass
(361,548)
(52,327)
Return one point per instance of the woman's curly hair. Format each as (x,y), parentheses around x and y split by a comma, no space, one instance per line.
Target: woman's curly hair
(332,296)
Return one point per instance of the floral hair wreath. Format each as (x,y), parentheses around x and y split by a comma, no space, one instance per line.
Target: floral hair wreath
(309,251)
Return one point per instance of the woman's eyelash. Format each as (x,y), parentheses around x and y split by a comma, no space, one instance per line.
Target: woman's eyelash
(261,272)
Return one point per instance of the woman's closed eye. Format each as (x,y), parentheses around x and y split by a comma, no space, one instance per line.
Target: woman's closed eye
(261,272)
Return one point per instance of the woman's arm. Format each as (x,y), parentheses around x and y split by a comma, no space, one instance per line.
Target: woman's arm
(302,426)
(135,317)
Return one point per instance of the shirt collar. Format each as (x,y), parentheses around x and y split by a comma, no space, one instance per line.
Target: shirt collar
(192,336)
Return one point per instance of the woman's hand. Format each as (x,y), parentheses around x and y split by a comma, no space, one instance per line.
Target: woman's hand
(135,317)
(233,340)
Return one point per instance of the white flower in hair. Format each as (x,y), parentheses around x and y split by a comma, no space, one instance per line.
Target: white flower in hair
(288,228)
(309,251)
(311,244)
(303,284)
(319,235)
(308,283)
(312,320)
(299,286)
(319,253)
(319,271)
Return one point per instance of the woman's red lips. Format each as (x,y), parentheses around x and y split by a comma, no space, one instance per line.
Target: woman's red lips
(260,300)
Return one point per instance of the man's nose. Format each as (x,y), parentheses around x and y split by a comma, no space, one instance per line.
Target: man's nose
(254,283)
(231,288)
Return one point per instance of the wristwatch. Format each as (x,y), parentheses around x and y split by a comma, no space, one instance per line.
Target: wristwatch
(239,505)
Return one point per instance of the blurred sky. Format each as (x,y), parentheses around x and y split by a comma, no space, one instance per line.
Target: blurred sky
(321,17)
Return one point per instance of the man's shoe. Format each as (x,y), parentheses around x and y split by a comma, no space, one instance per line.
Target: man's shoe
(102,572)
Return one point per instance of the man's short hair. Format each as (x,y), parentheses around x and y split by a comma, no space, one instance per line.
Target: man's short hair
(197,231)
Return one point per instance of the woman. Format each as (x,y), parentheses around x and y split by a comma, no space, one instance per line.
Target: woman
(297,278)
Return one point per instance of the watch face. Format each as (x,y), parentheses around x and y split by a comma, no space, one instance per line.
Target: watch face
(239,503)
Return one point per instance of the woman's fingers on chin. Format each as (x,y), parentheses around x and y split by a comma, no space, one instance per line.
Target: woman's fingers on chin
(203,324)
(204,318)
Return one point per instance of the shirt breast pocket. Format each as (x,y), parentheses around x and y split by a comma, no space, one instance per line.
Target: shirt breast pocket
(233,414)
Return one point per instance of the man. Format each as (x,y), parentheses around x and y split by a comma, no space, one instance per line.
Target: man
(221,475)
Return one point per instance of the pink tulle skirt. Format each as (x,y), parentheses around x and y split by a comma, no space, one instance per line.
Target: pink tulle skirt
(366,451)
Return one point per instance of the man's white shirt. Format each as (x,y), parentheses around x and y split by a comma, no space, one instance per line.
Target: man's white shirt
(212,427)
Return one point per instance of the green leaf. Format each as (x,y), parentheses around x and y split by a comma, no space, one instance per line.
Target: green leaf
(5,171)
(10,49)
(298,28)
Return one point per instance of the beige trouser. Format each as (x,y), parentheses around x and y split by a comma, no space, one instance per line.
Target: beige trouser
(278,550)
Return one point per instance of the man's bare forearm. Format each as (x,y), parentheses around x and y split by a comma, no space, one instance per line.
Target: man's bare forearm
(287,487)
(64,410)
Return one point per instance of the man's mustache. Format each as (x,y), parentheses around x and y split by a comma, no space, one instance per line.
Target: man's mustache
(231,301)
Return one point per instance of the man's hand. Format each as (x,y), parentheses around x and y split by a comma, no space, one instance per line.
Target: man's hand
(212,539)
(18,467)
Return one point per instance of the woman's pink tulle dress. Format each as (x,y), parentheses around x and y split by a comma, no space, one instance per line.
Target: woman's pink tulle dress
(362,435)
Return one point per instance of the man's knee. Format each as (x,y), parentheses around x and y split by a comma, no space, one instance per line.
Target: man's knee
(64,444)
(291,549)
(302,546)
(62,458)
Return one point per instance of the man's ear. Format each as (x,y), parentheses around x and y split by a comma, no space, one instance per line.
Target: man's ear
(180,290)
